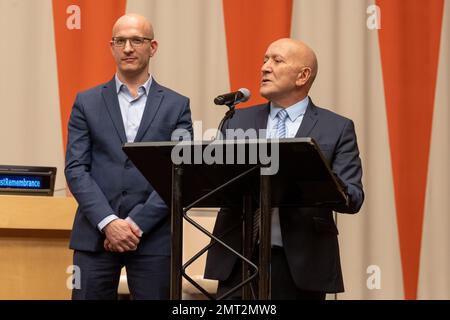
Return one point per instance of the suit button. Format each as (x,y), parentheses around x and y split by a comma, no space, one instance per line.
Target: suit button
(128,164)
(124,193)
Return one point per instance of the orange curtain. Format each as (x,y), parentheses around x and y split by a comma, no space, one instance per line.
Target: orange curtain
(250,26)
(83,56)
(409,43)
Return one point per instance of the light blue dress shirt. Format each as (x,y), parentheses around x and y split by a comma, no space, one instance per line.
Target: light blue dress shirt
(293,122)
(132,110)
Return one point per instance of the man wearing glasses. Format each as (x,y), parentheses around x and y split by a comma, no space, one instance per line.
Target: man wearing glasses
(121,220)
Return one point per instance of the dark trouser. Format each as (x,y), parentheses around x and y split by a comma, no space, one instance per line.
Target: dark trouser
(282,284)
(148,276)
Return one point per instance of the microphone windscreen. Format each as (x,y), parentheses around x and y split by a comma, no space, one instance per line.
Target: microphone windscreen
(246,94)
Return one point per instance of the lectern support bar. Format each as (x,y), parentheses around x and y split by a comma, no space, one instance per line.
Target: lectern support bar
(177,231)
(264,244)
(247,235)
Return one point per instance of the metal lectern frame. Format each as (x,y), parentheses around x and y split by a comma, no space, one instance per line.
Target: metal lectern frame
(179,213)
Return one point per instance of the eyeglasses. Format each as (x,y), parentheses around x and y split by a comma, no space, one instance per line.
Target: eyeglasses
(135,41)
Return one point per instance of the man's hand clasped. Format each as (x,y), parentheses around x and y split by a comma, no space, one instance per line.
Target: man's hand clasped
(121,236)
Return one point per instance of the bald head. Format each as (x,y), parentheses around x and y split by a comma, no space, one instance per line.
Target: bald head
(289,70)
(136,21)
(302,55)
(132,46)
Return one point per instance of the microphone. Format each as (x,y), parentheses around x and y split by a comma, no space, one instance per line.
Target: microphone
(233,98)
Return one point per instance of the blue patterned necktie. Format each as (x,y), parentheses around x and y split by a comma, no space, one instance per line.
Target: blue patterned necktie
(281,133)
(281,124)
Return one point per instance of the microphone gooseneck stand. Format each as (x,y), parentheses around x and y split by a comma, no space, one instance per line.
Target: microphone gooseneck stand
(228,115)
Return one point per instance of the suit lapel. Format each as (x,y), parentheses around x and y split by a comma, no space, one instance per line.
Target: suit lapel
(154,98)
(309,120)
(261,118)
(112,105)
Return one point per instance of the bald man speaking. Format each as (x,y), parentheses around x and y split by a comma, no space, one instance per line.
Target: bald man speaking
(121,220)
(305,252)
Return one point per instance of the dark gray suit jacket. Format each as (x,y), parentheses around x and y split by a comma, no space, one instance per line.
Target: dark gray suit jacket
(309,234)
(101,177)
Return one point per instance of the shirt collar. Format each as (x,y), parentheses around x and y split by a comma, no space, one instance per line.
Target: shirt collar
(296,110)
(146,85)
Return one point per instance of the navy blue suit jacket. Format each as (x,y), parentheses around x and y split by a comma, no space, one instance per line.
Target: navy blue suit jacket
(101,177)
(309,234)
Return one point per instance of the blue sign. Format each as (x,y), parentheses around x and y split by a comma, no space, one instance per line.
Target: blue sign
(19,181)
